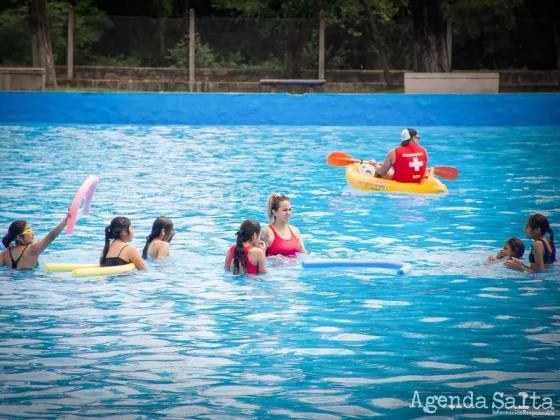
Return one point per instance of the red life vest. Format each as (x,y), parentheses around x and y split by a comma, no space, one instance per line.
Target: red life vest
(250,268)
(410,163)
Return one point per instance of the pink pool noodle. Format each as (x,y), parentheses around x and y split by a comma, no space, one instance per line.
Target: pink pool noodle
(85,194)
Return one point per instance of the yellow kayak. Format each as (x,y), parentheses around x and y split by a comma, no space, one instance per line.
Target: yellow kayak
(359,175)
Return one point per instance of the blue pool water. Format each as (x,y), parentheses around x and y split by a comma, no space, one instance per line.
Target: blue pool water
(186,340)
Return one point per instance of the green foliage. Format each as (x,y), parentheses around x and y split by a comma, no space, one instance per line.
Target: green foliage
(335,57)
(484,32)
(206,57)
(179,54)
(15,48)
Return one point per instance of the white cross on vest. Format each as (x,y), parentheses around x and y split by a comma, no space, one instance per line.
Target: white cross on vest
(416,164)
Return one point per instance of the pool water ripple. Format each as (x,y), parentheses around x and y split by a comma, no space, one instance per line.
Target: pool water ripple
(186,340)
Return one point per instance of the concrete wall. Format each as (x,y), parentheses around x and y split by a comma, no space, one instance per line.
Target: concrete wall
(156,79)
(455,82)
(22,78)
(280,109)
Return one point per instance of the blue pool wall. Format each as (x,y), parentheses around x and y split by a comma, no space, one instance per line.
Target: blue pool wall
(280,109)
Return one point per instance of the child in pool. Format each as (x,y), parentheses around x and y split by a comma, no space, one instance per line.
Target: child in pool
(246,256)
(120,252)
(513,248)
(157,242)
(543,250)
(22,251)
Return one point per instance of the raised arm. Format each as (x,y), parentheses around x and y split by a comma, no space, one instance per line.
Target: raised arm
(39,246)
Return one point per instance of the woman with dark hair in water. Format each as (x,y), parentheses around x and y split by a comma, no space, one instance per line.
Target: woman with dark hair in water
(157,242)
(543,251)
(120,252)
(246,256)
(22,251)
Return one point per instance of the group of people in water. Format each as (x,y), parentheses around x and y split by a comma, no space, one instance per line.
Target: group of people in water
(543,251)
(405,163)
(248,255)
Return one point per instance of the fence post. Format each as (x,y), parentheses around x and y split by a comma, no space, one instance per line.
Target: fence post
(70,44)
(192,43)
(321,45)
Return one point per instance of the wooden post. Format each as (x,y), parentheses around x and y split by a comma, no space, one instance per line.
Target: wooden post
(192,43)
(321,45)
(70,44)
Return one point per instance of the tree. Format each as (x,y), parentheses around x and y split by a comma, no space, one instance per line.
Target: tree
(379,18)
(90,24)
(430,53)
(41,38)
(295,15)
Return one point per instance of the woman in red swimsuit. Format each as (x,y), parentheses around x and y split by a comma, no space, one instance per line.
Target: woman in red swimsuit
(245,257)
(279,238)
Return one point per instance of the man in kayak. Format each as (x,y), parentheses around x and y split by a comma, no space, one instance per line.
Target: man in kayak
(409,160)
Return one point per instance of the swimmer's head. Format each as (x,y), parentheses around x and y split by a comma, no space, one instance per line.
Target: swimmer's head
(537,226)
(119,228)
(162,229)
(409,135)
(249,231)
(514,247)
(278,206)
(20,233)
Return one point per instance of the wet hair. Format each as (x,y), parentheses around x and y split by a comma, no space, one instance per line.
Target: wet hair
(245,233)
(411,132)
(274,204)
(117,226)
(517,246)
(160,224)
(540,221)
(15,229)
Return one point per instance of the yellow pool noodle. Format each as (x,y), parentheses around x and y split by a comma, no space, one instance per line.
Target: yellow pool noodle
(102,271)
(66,267)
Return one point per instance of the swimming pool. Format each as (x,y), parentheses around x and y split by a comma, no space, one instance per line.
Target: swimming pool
(185,340)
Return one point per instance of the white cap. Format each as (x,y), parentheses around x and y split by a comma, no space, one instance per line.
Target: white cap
(408,133)
(405,135)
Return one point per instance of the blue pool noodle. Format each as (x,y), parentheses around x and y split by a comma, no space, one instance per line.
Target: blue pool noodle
(402,268)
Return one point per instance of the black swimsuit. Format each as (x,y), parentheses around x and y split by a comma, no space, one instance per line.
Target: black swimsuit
(16,262)
(115,261)
(548,258)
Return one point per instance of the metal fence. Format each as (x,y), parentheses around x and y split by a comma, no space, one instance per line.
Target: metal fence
(286,45)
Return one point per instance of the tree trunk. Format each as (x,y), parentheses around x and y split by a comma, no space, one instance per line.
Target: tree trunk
(296,41)
(379,44)
(430,36)
(41,33)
